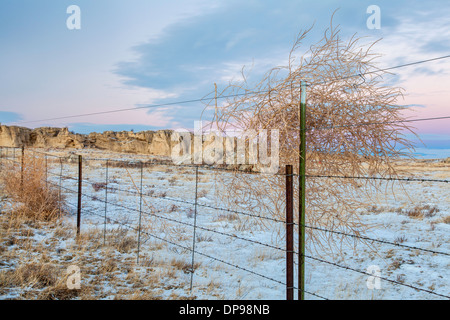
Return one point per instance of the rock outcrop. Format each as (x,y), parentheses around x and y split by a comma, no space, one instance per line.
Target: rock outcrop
(156,143)
(146,142)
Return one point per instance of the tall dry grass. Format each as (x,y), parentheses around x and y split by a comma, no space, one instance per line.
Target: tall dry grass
(36,267)
(33,197)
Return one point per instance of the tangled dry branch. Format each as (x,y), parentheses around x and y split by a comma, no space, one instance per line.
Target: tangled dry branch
(353,129)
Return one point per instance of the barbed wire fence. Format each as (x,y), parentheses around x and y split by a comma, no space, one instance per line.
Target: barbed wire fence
(110,186)
(16,156)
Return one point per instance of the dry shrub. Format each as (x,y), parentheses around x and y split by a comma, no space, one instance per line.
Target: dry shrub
(34,198)
(353,126)
(420,212)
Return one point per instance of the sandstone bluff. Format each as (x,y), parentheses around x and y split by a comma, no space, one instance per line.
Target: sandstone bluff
(146,142)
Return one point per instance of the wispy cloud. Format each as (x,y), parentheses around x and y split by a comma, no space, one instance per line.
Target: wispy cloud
(157,52)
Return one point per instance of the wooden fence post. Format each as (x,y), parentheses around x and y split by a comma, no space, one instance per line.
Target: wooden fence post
(80,181)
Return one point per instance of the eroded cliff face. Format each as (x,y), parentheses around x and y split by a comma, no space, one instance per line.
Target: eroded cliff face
(146,142)
(157,143)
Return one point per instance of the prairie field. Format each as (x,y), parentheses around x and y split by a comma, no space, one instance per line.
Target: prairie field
(140,247)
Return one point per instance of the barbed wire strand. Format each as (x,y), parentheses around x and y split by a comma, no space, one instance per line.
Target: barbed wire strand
(247,92)
(376,276)
(409,179)
(318,259)
(270,219)
(112,188)
(376,178)
(188,248)
(176,221)
(376,240)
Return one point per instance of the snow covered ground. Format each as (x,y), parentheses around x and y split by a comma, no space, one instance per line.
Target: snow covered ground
(238,258)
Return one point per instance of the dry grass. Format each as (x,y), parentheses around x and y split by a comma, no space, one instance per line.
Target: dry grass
(400,239)
(38,270)
(125,243)
(38,244)
(34,198)
(183,265)
(36,275)
(446,220)
(420,212)
(99,186)
(202,193)
(60,291)
(229,217)
(397,263)
(374,209)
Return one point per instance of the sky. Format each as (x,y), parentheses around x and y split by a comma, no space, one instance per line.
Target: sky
(130,54)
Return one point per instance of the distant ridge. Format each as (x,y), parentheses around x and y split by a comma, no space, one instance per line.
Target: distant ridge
(145,142)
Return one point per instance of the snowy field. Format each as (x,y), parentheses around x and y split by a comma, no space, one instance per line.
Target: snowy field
(238,257)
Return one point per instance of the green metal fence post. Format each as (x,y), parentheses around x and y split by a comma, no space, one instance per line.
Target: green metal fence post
(302,191)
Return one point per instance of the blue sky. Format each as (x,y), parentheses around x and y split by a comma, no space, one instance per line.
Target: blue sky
(142,52)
